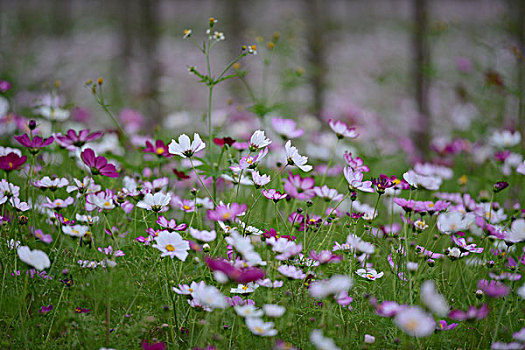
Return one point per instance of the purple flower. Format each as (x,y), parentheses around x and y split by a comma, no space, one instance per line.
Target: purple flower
(493,289)
(244,276)
(4,85)
(472,313)
(500,186)
(72,139)
(98,165)
(171,225)
(355,163)
(43,237)
(443,326)
(325,257)
(407,205)
(45,309)
(462,244)
(80,310)
(152,346)
(35,144)
(382,183)
(12,161)
(159,149)
(274,195)
(226,212)
(299,188)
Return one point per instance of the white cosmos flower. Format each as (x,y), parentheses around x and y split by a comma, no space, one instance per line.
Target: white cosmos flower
(52,113)
(248,311)
(209,296)
(433,300)
(260,180)
(357,243)
(451,222)
(414,321)
(355,180)
(259,327)
(342,130)
(369,274)
(505,138)
(294,158)
(321,342)
(274,310)
(36,258)
(203,235)
(245,288)
(76,230)
(157,202)
(185,147)
(171,244)
(416,180)
(258,140)
(516,233)
(334,285)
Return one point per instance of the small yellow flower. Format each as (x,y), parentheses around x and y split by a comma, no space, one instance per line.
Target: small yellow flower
(100,81)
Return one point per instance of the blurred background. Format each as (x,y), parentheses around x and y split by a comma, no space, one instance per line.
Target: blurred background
(406,72)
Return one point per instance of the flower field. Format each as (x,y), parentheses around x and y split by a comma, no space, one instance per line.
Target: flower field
(258,228)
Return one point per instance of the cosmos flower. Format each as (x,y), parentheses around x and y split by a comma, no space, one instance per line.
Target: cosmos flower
(286,128)
(36,258)
(34,145)
(157,202)
(274,310)
(298,187)
(258,141)
(431,298)
(356,164)
(58,203)
(12,161)
(53,185)
(159,149)
(294,158)
(225,212)
(336,284)
(185,147)
(462,244)
(98,165)
(291,272)
(415,180)
(472,313)
(249,161)
(451,222)
(274,194)
(342,130)
(171,244)
(244,275)
(170,225)
(245,288)
(210,297)
(415,322)
(328,194)
(76,230)
(505,139)
(248,311)
(321,342)
(72,140)
(369,274)
(355,180)
(493,289)
(203,235)
(259,327)
(260,180)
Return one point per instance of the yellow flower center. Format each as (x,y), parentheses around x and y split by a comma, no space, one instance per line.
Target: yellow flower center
(170,248)
(107,204)
(190,290)
(59,203)
(431,205)
(412,325)
(186,207)
(159,150)
(259,330)
(249,160)
(369,275)
(10,164)
(245,287)
(226,216)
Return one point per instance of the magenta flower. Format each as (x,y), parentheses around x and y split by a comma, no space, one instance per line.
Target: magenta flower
(171,225)
(244,276)
(299,188)
(407,205)
(472,313)
(225,212)
(43,237)
(159,149)
(325,257)
(72,139)
(35,144)
(45,309)
(12,161)
(98,165)
(462,244)
(493,289)
(443,326)
(355,163)
(342,130)
(274,195)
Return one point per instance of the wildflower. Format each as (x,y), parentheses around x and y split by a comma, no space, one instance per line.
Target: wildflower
(429,169)
(245,288)
(152,346)
(249,161)
(286,128)
(444,326)
(328,194)
(43,237)
(185,147)
(259,327)
(101,200)
(472,313)
(274,310)
(218,36)
(258,141)
(356,243)
(248,311)
(171,244)
(325,257)
(244,275)
(53,185)
(45,309)
(12,161)
(415,180)
(203,235)
(369,339)
(224,141)
(342,130)
(335,285)
(505,139)
(455,253)
(73,140)
(210,297)
(415,322)
(516,233)
(355,180)
(187,33)
(431,298)
(506,346)
(321,342)
(36,258)
(452,222)
(294,158)
(34,145)
(462,244)
(500,186)
(87,186)
(291,272)
(76,230)
(157,202)
(159,149)
(252,49)
(369,274)
(493,289)
(225,212)
(18,204)
(356,164)
(58,204)
(98,165)
(274,194)
(420,225)
(171,225)
(80,310)
(260,180)
(298,187)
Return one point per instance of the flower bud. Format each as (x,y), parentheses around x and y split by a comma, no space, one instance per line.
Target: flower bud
(32,124)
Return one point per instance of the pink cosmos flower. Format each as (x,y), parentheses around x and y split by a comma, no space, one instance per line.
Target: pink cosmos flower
(355,180)
(493,289)
(328,194)
(98,165)
(462,244)
(12,161)
(159,149)
(472,313)
(244,275)
(342,130)
(299,188)
(291,272)
(286,128)
(325,257)
(35,144)
(43,237)
(171,225)
(249,161)
(260,180)
(72,140)
(225,212)
(274,195)
(356,164)
(58,204)
(443,326)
